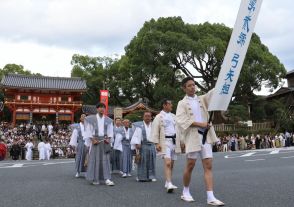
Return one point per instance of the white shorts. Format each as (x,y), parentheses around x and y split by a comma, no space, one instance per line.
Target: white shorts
(205,152)
(169,150)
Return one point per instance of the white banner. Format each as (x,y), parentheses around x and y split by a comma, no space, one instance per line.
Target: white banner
(235,55)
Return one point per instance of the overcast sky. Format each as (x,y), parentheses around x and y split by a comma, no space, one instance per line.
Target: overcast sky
(42,35)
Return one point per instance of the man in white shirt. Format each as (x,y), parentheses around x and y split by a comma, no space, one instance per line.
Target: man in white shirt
(98,133)
(142,140)
(78,143)
(116,159)
(164,136)
(191,118)
(29,150)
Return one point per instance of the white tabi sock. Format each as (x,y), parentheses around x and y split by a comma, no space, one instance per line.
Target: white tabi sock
(186,191)
(210,196)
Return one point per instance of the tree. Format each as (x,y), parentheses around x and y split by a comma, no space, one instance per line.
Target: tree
(167,46)
(92,70)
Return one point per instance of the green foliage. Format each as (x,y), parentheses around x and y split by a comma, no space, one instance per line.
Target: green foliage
(167,49)
(168,45)
(277,111)
(238,113)
(135,116)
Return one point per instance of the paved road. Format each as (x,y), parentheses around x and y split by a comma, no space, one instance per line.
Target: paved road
(263,178)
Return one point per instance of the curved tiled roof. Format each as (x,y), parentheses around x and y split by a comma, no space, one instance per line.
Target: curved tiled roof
(43,82)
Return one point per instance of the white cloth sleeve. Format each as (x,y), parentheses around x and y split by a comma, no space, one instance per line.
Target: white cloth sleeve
(137,136)
(74,138)
(88,134)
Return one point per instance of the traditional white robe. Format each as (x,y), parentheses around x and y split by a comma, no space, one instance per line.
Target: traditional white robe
(41,149)
(48,151)
(29,154)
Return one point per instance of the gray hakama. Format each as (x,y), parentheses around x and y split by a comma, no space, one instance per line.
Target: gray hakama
(146,166)
(116,159)
(127,155)
(99,159)
(99,163)
(81,149)
(81,154)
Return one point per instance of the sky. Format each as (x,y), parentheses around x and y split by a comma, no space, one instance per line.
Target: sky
(42,35)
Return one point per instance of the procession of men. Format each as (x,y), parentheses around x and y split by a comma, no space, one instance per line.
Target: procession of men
(104,147)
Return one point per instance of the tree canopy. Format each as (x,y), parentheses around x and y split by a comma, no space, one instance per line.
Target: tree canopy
(166,50)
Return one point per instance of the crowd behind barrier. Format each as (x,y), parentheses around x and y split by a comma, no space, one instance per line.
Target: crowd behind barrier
(15,139)
(234,142)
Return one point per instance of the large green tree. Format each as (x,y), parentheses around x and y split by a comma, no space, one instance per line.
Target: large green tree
(168,45)
(93,70)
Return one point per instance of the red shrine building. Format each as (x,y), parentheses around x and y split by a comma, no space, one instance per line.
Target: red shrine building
(40,98)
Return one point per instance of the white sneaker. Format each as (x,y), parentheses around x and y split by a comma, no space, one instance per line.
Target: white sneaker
(109,182)
(215,203)
(129,175)
(153,180)
(124,175)
(173,186)
(187,198)
(95,183)
(77,175)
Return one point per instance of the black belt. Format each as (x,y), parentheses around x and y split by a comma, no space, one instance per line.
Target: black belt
(172,137)
(204,135)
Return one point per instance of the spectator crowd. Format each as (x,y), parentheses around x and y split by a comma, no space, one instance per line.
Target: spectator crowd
(235,142)
(16,138)
(58,136)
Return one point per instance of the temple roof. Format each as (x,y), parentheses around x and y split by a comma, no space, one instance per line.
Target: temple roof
(138,106)
(43,82)
(281,92)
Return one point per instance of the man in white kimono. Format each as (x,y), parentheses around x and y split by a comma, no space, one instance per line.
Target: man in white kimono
(192,120)
(29,150)
(98,133)
(48,150)
(164,136)
(117,147)
(147,151)
(78,143)
(127,157)
(41,149)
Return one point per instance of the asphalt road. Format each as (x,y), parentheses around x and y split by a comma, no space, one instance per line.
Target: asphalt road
(242,179)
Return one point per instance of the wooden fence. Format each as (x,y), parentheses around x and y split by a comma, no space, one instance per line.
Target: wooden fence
(236,127)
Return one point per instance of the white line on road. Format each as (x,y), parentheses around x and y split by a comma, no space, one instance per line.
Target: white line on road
(254,160)
(17,165)
(274,152)
(288,157)
(54,163)
(248,154)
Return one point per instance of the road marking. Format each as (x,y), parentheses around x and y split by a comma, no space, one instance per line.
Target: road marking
(274,152)
(254,160)
(288,157)
(248,154)
(17,165)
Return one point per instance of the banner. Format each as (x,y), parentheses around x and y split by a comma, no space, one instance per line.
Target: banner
(235,55)
(104,99)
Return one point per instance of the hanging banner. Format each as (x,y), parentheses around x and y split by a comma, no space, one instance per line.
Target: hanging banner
(235,55)
(104,99)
